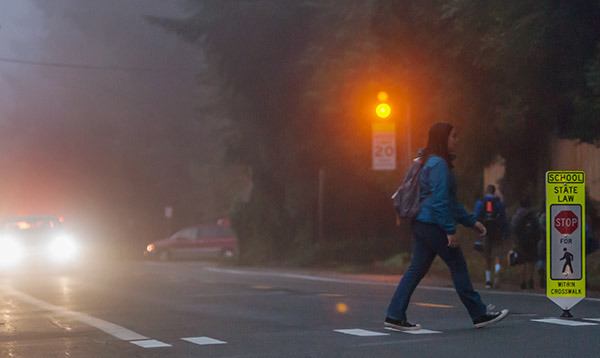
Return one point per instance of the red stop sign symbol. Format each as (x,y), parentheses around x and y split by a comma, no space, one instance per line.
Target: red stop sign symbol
(566,222)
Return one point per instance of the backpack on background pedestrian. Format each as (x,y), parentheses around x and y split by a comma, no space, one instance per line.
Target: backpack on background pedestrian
(526,231)
(491,212)
(434,233)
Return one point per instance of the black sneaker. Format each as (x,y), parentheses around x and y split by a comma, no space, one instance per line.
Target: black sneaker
(489,318)
(396,325)
(488,284)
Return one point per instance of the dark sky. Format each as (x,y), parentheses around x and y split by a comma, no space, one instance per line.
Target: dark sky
(109,33)
(76,75)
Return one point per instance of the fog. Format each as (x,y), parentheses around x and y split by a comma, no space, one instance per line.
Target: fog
(99,116)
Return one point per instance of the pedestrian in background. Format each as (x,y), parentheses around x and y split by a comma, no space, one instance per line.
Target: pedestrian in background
(540,264)
(434,233)
(526,231)
(491,212)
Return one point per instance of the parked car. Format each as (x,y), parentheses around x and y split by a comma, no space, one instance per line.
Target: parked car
(35,240)
(200,241)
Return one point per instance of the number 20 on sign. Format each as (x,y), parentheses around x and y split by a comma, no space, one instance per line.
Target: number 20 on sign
(565,238)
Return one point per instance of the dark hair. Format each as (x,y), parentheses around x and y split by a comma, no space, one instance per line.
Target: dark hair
(491,189)
(437,143)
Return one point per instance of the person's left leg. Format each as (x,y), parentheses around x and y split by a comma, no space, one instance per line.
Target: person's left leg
(487,253)
(496,244)
(453,257)
(422,257)
(497,272)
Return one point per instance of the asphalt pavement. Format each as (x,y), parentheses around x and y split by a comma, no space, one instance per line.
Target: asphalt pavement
(204,309)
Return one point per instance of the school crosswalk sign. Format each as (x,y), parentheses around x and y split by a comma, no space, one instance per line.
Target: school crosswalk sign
(565,237)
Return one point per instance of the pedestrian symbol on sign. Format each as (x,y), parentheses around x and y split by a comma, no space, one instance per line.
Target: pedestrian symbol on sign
(568,257)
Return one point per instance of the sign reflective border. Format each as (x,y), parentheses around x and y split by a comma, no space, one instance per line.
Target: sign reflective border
(565,237)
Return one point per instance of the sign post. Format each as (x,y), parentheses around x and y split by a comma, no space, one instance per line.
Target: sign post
(565,238)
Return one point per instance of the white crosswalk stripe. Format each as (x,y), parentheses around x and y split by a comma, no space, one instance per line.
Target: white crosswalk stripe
(416,331)
(422,331)
(564,322)
(150,343)
(360,332)
(202,341)
(592,319)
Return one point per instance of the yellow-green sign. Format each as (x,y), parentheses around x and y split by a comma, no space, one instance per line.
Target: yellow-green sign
(565,237)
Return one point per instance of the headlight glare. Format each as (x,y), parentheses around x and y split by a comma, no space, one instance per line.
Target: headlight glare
(62,249)
(11,252)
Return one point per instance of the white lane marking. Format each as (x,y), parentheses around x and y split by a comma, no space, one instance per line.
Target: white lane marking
(422,331)
(288,275)
(150,343)
(107,327)
(592,319)
(360,332)
(202,341)
(355,282)
(416,331)
(564,322)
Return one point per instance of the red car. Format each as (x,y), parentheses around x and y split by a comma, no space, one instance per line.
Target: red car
(201,241)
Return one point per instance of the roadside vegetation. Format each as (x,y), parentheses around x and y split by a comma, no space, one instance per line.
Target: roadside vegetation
(294,83)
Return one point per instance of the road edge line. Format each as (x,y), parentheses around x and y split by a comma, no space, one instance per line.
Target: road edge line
(112,329)
(358,282)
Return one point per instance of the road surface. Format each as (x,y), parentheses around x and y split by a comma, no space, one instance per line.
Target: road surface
(196,309)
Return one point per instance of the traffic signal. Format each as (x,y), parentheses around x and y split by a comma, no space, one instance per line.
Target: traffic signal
(383,109)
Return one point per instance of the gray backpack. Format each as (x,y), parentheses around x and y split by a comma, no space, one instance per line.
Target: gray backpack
(407,197)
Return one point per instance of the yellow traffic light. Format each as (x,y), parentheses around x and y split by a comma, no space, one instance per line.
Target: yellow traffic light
(383,110)
(382,96)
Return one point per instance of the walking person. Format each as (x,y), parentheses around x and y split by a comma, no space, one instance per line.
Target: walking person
(491,212)
(434,233)
(526,230)
(540,264)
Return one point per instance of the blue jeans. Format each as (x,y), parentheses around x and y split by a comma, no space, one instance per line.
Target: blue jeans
(430,240)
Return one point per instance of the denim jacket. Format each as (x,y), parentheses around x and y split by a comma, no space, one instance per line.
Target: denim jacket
(438,197)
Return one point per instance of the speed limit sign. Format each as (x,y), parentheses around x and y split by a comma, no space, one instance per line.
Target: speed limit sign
(384,146)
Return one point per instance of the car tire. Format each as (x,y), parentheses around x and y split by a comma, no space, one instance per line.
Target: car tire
(164,256)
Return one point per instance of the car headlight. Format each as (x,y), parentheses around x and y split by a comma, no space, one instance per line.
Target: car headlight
(11,252)
(63,248)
